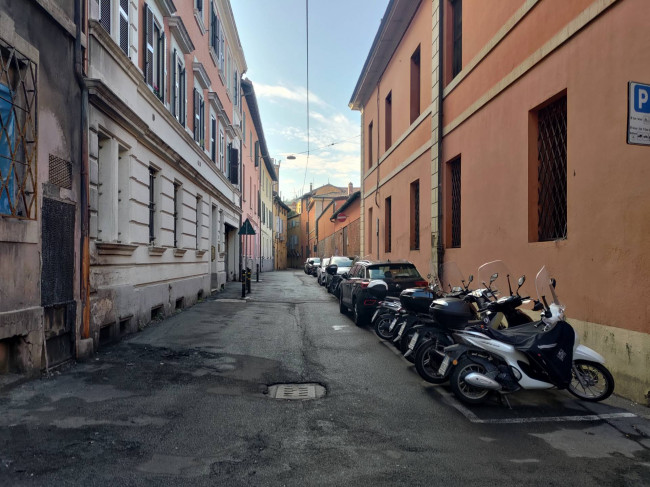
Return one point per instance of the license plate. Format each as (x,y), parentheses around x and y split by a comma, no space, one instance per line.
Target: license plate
(444,366)
(374,315)
(392,324)
(413,341)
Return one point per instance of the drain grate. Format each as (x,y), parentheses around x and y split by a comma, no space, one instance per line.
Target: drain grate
(296,391)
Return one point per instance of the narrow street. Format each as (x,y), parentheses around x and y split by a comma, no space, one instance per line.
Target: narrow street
(187,401)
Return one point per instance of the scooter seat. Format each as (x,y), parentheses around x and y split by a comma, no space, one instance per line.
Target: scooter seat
(521,337)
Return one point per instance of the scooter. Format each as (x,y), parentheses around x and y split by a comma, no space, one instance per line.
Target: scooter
(540,355)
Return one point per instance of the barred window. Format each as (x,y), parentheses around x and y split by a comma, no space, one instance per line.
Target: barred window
(389,225)
(457,37)
(18,142)
(454,167)
(415,215)
(152,205)
(552,171)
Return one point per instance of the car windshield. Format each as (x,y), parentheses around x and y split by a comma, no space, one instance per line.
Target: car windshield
(342,261)
(315,261)
(325,262)
(395,271)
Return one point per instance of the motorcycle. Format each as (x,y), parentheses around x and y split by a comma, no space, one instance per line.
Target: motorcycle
(428,341)
(543,354)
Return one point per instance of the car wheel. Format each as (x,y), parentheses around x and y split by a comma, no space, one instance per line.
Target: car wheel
(357,314)
(342,308)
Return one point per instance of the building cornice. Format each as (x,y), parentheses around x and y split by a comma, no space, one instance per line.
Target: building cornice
(167,7)
(394,25)
(201,75)
(228,21)
(178,30)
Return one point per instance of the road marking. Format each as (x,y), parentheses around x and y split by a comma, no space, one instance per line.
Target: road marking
(339,327)
(556,419)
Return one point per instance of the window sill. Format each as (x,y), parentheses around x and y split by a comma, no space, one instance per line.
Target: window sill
(114,248)
(199,20)
(213,55)
(201,253)
(179,252)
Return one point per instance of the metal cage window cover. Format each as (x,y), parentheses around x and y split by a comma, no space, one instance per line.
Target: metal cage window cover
(455,202)
(552,171)
(18,134)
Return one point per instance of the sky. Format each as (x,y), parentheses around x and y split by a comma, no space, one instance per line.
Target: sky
(274,40)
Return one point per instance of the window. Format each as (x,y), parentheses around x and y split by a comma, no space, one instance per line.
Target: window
(228,161)
(250,144)
(221,150)
(177,213)
(124,26)
(199,215)
(213,139)
(154,56)
(105,14)
(215,33)
(178,101)
(222,45)
(152,205)
(370,145)
(415,85)
(234,165)
(454,170)
(199,120)
(244,128)
(389,224)
(198,5)
(552,171)
(389,117)
(18,136)
(457,37)
(415,215)
(370,235)
(257,153)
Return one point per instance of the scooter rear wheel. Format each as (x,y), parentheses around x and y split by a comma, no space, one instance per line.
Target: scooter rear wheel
(428,359)
(467,393)
(382,323)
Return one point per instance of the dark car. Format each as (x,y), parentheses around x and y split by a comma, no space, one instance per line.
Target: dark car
(310,264)
(343,265)
(354,292)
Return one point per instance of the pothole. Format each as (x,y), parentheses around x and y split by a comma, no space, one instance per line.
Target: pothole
(296,391)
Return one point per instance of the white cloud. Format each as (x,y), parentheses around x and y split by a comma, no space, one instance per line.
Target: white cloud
(280,92)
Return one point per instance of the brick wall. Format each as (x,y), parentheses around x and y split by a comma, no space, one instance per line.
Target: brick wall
(333,245)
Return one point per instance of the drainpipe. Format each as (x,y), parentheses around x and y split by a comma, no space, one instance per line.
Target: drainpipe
(441,249)
(84,183)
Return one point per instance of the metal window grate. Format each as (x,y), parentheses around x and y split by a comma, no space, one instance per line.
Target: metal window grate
(152,205)
(60,172)
(415,215)
(552,171)
(18,134)
(455,202)
(105,14)
(457,21)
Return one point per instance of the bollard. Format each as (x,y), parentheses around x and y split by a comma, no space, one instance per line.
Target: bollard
(257,279)
(242,278)
(248,279)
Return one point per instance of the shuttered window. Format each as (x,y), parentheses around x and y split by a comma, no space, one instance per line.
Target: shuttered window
(124,26)
(105,14)
(148,37)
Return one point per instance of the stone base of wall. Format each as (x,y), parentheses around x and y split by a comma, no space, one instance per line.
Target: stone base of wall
(627,356)
(21,341)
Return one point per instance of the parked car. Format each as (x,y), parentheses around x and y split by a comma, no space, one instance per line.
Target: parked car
(343,265)
(310,263)
(353,289)
(320,270)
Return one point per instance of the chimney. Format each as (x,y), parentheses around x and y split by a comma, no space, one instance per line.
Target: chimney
(350,189)
(311,187)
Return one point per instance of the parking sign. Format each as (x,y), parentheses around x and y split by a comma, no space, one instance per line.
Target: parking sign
(638,120)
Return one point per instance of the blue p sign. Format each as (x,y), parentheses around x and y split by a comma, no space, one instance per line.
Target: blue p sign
(642,98)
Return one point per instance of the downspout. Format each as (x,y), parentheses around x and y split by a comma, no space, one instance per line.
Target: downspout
(441,249)
(84,183)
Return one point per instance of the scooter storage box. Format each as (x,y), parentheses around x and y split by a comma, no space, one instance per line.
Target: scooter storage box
(417,299)
(451,313)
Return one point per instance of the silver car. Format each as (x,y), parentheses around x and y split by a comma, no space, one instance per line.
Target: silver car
(320,271)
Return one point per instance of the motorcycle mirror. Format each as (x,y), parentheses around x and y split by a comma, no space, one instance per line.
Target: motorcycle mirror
(471,278)
(494,277)
(521,281)
(553,282)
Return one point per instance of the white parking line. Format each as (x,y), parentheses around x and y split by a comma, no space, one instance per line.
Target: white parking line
(555,419)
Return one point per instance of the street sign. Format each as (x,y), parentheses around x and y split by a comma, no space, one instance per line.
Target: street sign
(341,217)
(247,228)
(638,114)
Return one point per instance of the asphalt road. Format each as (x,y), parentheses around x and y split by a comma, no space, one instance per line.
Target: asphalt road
(187,401)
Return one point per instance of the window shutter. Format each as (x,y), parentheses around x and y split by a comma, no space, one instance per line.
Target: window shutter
(148,41)
(202,121)
(124,26)
(234,165)
(199,4)
(174,93)
(105,14)
(257,153)
(195,112)
(182,100)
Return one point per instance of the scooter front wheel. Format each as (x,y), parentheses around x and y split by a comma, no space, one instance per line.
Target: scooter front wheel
(428,359)
(467,393)
(382,324)
(591,381)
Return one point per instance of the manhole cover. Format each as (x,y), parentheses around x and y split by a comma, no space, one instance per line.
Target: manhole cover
(296,391)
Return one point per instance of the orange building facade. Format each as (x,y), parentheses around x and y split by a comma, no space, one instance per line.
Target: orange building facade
(526,110)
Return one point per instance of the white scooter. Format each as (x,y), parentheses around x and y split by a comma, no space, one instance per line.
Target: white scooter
(541,355)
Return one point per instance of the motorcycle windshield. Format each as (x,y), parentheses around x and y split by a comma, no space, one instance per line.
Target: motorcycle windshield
(500,270)
(450,276)
(545,290)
